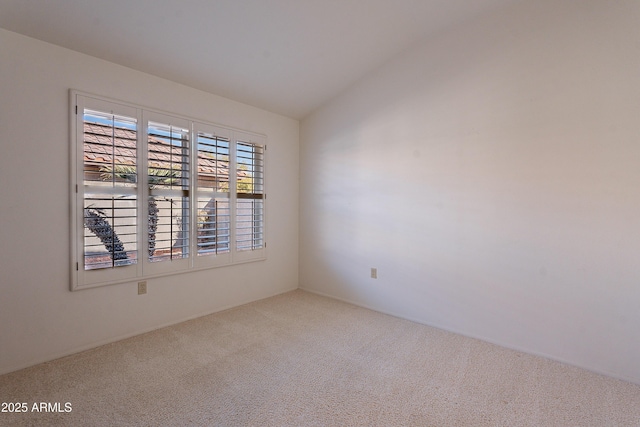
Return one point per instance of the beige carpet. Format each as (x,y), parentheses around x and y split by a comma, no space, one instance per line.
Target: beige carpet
(299,359)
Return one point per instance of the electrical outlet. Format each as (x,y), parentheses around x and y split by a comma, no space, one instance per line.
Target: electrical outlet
(142,288)
(374,273)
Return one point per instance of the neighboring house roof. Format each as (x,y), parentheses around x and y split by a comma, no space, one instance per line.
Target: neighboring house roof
(105,145)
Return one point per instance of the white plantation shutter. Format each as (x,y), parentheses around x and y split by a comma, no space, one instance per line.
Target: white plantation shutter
(155,194)
(110,177)
(106,192)
(213,153)
(250,198)
(168,186)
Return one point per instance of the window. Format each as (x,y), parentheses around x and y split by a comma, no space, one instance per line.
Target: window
(156,194)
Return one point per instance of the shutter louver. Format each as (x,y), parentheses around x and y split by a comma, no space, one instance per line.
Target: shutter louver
(168,202)
(213,195)
(249,196)
(110,181)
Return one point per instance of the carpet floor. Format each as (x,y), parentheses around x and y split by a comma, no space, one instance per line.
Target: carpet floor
(299,359)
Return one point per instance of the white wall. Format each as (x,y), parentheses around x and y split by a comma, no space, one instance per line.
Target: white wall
(492,176)
(40,318)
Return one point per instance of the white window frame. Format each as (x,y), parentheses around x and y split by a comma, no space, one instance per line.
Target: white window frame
(144,269)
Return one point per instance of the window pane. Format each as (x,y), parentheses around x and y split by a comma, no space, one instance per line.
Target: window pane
(109,149)
(213,195)
(109,166)
(213,163)
(213,226)
(168,154)
(250,168)
(168,228)
(168,180)
(109,231)
(249,224)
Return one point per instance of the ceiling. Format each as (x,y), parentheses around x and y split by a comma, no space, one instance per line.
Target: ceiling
(285,56)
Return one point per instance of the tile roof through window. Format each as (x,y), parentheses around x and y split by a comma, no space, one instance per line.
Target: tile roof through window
(107,145)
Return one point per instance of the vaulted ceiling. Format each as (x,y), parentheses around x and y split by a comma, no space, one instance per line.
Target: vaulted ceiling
(286,56)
